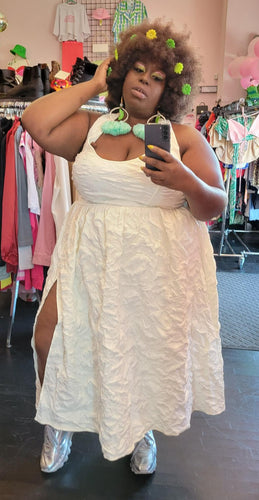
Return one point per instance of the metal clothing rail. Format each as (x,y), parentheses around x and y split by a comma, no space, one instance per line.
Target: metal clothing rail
(11,109)
(225,233)
(15,291)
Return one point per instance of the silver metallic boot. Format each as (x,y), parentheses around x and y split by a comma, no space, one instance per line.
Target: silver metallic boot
(55,450)
(143,460)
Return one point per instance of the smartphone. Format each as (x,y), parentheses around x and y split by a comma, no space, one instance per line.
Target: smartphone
(157,134)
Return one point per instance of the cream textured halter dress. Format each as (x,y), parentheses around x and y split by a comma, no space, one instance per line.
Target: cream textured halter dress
(137,343)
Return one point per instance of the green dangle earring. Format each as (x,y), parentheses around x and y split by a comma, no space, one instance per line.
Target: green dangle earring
(118,125)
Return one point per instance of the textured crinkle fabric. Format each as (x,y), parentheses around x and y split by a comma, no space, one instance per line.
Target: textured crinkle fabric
(137,343)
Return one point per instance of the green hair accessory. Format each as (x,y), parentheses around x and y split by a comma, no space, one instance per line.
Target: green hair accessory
(178,68)
(170,43)
(133,36)
(109,70)
(186,89)
(116,55)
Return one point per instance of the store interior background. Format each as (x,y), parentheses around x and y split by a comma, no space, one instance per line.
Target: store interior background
(220,30)
(218,458)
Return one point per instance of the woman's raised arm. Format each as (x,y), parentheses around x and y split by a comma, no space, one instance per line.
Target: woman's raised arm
(56,122)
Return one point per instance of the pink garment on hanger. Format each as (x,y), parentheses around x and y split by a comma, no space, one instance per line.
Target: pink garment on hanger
(31,277)
(46,238)
(254,129)
(239,132)
(34,277)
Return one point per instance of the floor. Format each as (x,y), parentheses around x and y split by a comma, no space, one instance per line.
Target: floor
(216,459)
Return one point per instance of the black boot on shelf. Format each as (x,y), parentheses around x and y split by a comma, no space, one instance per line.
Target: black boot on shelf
(31,87)
(82,71)
(45,78)
(77,71)
(90,68)
(7,81)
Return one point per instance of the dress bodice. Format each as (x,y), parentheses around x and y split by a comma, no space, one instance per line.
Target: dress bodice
(98,180)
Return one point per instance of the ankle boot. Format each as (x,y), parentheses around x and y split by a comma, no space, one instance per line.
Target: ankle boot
(143,460)
(77,71)
(55,450)
(31,87)
(90,68)
(7,81)
(55,67)
(45,78)
(82,71)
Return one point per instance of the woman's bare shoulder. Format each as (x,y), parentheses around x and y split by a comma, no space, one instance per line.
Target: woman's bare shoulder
(186,136)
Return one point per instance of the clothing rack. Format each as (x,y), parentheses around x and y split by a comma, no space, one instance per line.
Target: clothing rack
(11,109)
(233,110)
(225,234)
(14,297)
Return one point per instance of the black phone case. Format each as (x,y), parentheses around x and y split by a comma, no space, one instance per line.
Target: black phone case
(157,134)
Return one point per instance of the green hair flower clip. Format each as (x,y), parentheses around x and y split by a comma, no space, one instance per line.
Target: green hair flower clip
(116,55)
(151,34)
(133,36)
(186,89)
(178,68)
(109,70)
(170,43)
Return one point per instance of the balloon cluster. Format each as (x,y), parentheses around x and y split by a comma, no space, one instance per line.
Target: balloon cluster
(246,68)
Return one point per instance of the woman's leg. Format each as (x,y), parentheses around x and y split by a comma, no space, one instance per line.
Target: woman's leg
(44,329)
(57,444)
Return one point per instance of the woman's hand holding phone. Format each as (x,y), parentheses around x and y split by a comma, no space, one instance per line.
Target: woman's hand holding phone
(167,171)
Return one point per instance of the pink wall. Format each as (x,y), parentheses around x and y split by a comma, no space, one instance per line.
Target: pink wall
(242,25)
(30,23)
(218,28)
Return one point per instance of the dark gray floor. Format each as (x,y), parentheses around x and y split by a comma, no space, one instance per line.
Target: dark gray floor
(216,459)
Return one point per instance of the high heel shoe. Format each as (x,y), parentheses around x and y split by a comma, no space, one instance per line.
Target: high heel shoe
(143,460)
(55,450)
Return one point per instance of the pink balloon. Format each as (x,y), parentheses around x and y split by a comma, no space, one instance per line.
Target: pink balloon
(245,66)
(255,69)
(256,48)
(234,67)
(251,46)
(245,82)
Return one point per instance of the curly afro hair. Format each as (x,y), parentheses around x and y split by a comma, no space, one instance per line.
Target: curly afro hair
(155,41)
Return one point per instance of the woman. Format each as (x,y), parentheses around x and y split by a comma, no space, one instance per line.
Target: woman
(127,337)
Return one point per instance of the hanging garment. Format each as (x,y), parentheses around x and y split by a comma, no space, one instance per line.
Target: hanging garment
(9,244)
(46,237)
(71,22)
(24,226)
(33,277)
(70,52)
(244,150)
(5,126)
(127,14)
